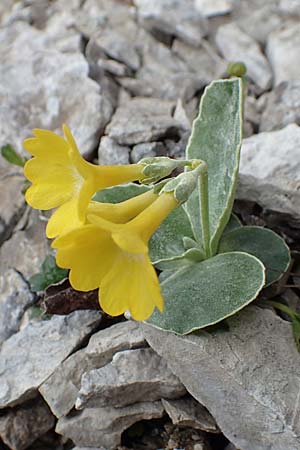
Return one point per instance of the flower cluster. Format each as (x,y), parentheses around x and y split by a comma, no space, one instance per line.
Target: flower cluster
(104,245)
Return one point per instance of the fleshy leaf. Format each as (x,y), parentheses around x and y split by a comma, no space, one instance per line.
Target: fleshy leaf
(262,243)
(205,293)
(233,224)
(11,156)
(49,274)
(216,139)
(120,193)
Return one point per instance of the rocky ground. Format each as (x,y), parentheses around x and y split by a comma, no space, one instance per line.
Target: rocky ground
(127,76)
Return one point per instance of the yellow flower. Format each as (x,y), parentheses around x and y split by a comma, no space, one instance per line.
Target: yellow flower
(115,258)
(62,179)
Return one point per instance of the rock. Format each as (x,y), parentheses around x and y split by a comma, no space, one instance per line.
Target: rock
(203,60)
(235,45)
(270,170)
(261,22)
(172,17)
(282,106)
(290,7)
(216,8)
(104,426)
(26,249)
(37,351)
(140,151)
(110,152)
(47,98)
(282,50)
(21,426)
(12,199)
(132,376)
(187,412)
(15,298)
(142,120)
(61,389)
(246,377)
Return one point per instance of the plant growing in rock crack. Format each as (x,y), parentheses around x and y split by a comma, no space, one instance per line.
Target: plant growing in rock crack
(211,266)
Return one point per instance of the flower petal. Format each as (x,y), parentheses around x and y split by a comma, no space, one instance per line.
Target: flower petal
(46,196)
(129,241)
(47,145)
(89,253)
(131,284)
(64,219)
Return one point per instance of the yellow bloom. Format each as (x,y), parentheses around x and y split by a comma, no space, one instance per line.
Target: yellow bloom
(115,258)
(62,179)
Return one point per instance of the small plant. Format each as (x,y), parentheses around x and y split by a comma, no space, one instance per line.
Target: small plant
(112,235)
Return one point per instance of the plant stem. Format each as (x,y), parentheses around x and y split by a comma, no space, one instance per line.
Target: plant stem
(204,209)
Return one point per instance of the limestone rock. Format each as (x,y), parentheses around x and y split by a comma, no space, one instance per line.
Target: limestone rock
(290,7)
(140,151)
(142,120)
(187,412)
(282,50)
(235,45)
(270,170)
(132,376)
(104,426)
(15,298)
(26,249)
(110,153)
(261,22)
(246,377)
(172,17)
(21,426)
(282,106)
(61,389)
(37,351)
(12,199)
(216,8)
(47,98)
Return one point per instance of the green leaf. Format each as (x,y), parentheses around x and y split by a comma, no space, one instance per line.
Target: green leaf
(49,274)
(205,293)
(233,224)
(11,156)
(117,194)
(167,242)
(262,243)
(216,139)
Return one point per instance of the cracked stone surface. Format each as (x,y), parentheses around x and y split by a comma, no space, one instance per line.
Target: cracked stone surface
(15,298)
(104,426)
(282,106)
(247,377)
(132,376)
(235,45)
(61,389)
(21,426)
(270,170)
(37,351)
(110,152)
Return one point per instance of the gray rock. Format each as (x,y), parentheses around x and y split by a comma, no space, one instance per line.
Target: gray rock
(282,106)
(104,426)
(235,45)
(142,120)
(110,152)
(21,426)
(172,17)
(216,8)
(113,67)
(270,170)
(261,22)
(290,7)
(48,91)
(15,298)
(187,412)
(203,60)
(132,376)
(246,377)
(282,50)
(30,356)
(140,151)
(26,249)
(12,199)
(61,389)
